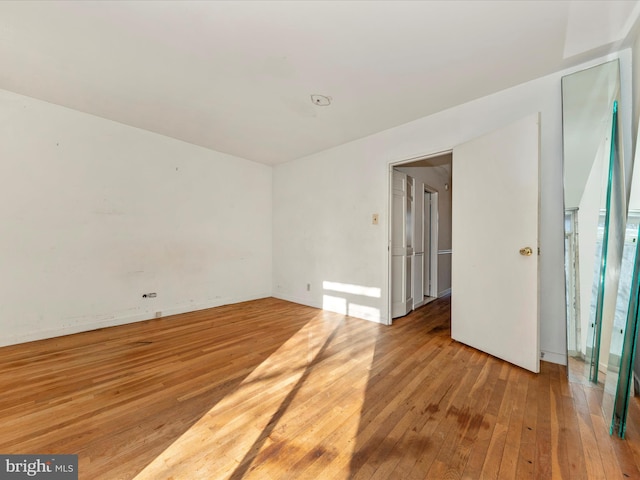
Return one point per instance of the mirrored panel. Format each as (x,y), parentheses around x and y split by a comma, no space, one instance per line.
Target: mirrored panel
(594,215)
(625,332)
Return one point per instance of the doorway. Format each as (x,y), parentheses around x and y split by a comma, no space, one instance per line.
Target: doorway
(420,232)
(495,268)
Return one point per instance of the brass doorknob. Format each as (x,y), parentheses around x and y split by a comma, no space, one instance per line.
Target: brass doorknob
(526,251)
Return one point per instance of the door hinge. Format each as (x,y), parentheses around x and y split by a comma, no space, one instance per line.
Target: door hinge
(538,250)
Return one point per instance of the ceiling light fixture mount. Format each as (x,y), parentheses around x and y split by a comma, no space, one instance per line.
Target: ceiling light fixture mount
(321,100)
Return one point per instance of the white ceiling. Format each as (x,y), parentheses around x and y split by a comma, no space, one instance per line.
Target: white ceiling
(237,76)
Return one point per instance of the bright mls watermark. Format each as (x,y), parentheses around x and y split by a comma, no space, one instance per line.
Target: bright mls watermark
(44,467)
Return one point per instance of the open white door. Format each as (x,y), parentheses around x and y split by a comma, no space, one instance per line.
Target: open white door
(401,245)
(494,302)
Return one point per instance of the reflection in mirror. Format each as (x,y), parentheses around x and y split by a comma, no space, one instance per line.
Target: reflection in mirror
(623,340)
(594,201)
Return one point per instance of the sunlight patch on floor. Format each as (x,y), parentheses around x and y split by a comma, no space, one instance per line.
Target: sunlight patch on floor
(268,427)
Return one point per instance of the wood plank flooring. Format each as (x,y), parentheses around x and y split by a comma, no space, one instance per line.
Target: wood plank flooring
(273,390)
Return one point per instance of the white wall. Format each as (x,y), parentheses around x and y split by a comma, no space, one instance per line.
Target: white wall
(95,213)
(323,204)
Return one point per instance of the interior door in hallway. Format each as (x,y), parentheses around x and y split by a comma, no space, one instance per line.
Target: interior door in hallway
(494,287)
(401,244)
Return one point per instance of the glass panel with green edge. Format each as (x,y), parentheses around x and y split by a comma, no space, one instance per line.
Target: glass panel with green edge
(602,327)
(612,320)
(623,341)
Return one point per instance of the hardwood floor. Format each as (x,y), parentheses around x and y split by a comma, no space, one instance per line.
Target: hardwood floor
(269,389)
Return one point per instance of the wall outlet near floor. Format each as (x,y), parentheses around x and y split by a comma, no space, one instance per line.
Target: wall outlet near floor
(308,287)
(158,314)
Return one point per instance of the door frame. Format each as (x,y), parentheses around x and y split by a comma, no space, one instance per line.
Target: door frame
(433,241)
(390,167)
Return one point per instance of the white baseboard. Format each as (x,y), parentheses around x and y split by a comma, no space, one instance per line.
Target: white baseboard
(310,303)
(444,293)
(105,321)
(553,357)
(299,300)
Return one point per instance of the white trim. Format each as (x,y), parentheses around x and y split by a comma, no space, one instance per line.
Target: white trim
(390,168)
(433,241)
(308,303)
(552,357)
(444,292)
(105,321)
(444,252)
(389,319)
(299,300)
